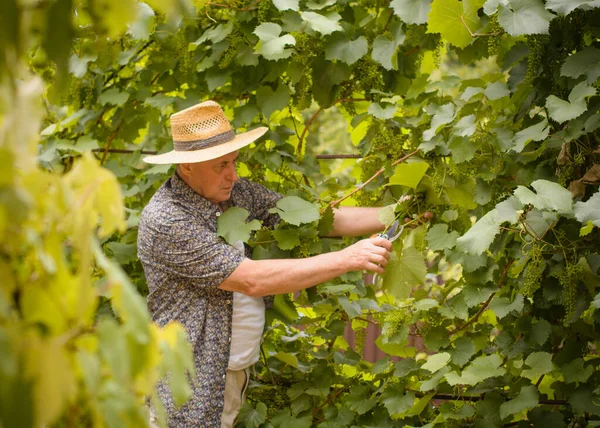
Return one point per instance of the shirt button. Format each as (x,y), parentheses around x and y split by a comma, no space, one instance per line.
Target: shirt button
(224,377)
(228,301)
(218,214)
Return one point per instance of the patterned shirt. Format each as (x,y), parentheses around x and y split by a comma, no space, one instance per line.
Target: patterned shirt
(185,262)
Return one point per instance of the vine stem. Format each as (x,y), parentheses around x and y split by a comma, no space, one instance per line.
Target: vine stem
(329,400)
(450,397)
(314,116)
(109,142)
(359,188)
(487,302)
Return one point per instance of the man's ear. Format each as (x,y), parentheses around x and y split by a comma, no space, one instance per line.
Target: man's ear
(184,169)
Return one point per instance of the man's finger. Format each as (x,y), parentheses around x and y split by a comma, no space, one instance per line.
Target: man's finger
(382,242)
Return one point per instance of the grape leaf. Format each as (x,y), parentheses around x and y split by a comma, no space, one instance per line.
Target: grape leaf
(113,96)
(455,20)
(480,369)
(527,398)
(496,91)
(271,45)
(520,17)
(296,211)
(342,49)
(540,363)
(540,331)
(479,237)
(443,115)
(232,226)
(412,11)
(324,24)
(463,149)
(287,4)
(550,196)
(589,211)
(270,101)
(439,238)
(383,113)
(561,110)
(465,127)
(564,7)
(585,62)
(436,362)
(396,400)
(508,210)
(404,272)
(409,174)
(537,132)
(575,372)
(287,238)
(502,305)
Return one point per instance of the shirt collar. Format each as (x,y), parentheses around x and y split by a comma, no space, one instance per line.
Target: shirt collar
(184,192)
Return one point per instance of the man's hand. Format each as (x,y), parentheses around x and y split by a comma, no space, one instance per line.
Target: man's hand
(368,254)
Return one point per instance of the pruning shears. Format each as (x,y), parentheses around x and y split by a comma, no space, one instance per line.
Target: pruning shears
(392,233)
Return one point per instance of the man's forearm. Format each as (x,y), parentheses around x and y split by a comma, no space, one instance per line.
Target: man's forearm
(267,277)
(355,221)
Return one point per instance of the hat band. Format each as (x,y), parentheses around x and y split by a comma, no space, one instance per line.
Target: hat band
(205,143)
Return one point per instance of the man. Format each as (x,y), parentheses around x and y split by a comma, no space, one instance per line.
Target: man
(211,287)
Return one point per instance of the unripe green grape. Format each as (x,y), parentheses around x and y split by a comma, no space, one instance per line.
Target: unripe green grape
(533,272)
(494,39)
(537,51)
(360,338)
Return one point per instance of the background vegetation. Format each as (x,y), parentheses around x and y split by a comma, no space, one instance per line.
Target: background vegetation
(485,113)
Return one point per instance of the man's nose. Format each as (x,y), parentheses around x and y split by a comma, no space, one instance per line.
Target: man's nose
(232,173)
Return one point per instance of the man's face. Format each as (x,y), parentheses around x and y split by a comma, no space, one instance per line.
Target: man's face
(213,179)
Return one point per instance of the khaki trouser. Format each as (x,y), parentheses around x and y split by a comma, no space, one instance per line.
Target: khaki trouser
(236,382)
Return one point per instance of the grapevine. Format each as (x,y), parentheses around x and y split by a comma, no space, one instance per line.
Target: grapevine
(496,33)
(537,50)
(569,280)
(369,73)
(533,272)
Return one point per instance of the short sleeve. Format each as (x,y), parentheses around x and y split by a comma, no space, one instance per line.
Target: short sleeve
(261,201)
(193,251)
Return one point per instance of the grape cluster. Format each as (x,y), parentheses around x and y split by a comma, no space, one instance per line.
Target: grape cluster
(185,62)
(537,50)
(533,272)
(360,339)
(437,52)
(264,10)
(227,57)
(347,90)
(307,47)
(388,143)
(495,35)
(569,279)
(393,320)
(370,76)
(432,319)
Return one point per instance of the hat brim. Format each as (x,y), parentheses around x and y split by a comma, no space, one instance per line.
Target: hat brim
(193,156)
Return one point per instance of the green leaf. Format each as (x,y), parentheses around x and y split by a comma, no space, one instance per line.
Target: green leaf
(502,306)
(287,4)
(520,17)
(497,90)
(296,211)
(463,149)
(324,24)
(113,96)
(420,405)
(540,331)
(232,226)
(465,127)
(286,357)
(508,210)
(383,113)
(540,363)
(585,62)
(589,211)
(453,19)
(550,196)
(359,399)
(215,35)
(464,349)
(443,115)
(527,399)
(287,239)
(412,11)
(575,371)
(271,101)
(385,50)
(436,362)
(79,66)
(409,174)
(352,308)
(271,45)
(561,110)
(396,401)
(404,272)
(342,49)
(480,369)
(143,26)
(479,237)
(537,132)
(564,7)
(439,239)
(583,400)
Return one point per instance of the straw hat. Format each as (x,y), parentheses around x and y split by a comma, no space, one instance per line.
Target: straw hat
(201,133)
